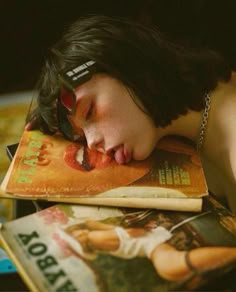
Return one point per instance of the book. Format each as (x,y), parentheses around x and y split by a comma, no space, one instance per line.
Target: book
(96,248)
(54,169)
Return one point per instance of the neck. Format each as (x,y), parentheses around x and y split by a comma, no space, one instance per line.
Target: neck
(186,125)
(220,108)
(221,123)
(223,100)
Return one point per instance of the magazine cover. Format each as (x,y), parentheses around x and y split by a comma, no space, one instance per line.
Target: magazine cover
(87,248)
(51,167)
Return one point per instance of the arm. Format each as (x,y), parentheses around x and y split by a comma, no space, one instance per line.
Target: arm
(105,240)
(231,190)
(97,225)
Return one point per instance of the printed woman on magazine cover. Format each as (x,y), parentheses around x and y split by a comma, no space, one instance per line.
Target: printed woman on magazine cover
(161,244)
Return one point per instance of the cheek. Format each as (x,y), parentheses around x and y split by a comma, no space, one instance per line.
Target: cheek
(110,126)
(105,120)
(116,119)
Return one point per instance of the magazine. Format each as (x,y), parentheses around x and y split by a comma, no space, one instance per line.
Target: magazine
(90,248)
(52,168)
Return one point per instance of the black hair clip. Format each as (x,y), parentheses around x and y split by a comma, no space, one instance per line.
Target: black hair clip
(77,75)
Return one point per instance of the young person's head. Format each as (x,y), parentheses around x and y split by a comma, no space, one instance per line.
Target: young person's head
(132,81)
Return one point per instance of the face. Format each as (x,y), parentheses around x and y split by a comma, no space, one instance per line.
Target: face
(111,121)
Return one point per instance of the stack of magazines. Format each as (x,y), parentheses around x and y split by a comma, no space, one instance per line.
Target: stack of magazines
(149,225)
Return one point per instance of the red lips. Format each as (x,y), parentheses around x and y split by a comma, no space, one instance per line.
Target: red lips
(121,155)
(82,158)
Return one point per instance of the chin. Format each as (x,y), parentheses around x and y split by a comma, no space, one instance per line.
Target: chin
(141,155)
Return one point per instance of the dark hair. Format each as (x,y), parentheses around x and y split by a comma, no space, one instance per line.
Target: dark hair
(167,78)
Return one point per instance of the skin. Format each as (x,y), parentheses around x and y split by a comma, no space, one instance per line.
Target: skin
(219,152)
(202,259)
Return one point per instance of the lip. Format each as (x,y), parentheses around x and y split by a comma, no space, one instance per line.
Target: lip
(127,155)
(121,154)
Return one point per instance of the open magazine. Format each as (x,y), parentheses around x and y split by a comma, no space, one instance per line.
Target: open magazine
(51,168)
(89,248)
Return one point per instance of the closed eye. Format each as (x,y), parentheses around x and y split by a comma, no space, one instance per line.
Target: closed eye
(89,112)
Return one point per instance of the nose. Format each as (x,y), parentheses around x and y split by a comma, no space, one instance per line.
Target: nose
(94,139)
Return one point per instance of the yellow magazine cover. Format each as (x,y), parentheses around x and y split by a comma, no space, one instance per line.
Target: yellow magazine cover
(52,168)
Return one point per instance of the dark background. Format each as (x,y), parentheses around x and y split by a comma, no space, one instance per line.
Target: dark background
(29,28)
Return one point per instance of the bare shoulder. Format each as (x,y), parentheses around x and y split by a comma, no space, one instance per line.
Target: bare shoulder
(231,127)
(232,153)
(220,144)
(226,122)
(230,178)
